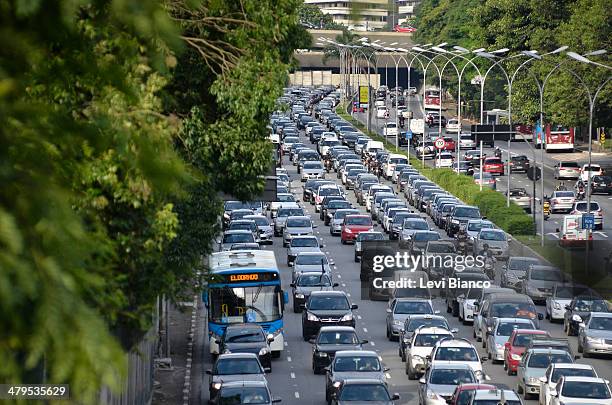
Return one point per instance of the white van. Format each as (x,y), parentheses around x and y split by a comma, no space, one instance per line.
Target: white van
(374,146)
(382,112)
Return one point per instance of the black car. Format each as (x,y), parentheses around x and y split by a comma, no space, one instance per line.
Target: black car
(234,367)
(326,308)
(601,184)
(579,308)
(329,207)
(247,338)
(364,391)
(519,163)
(305,284)
(245,392)
(460,215)
(330,340)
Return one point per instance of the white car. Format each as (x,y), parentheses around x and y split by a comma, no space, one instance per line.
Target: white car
(457,351)
(444,159)
(593,170)
(466,141)
(561,296)
(582,390)
(453,125)
(555,371)
(500,333)
(390,129)
(382,111)
(394,159)
(580,208)
(421,345)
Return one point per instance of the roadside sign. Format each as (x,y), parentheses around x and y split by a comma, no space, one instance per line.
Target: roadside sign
(588,221)
(363,94)
(439,143)
(602,138)
(408,135)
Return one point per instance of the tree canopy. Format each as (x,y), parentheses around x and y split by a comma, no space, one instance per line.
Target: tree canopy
(122,121)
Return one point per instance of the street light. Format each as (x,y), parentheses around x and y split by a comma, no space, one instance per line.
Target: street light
(581,58)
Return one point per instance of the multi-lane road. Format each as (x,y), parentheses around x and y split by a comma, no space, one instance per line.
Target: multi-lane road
(415,104)
(292,378)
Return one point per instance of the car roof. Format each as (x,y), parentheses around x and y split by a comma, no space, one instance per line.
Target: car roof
(455,342)
(335,328)
(515,320)
(455,366)
(237,356)
(298,217)
(432,329)
(573,365)
(372,381)
(530,331)
(245,383)
(509,297)
(585,379)
(335,293)
(496,394)
(347,353)
(237,231)
(545,350)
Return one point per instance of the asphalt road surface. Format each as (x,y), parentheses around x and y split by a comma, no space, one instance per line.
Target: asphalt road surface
(292,378)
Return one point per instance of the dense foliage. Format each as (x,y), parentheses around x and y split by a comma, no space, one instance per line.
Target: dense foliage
(122,120)
(311,16)
(583,25)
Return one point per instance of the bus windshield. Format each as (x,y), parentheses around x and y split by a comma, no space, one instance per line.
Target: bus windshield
(244,304)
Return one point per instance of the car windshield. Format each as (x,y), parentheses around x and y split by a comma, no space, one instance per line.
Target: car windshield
(428,339)
(543,360)
(342,214)
(493,235)
(313,165)
(307,259)
(415,323)
(329,303)
(467,212)
(440,248)
(357,363)
(474,293)
(238,366)
(247,226)
(585,390)
(364,392)
(601,323)
(243,395)
(329,191)
(338,204)
(523,340)
(583,305)
(243,335)
(456,354)
(314,280)
(260,221)
(238,238)
(513,310)
(236,205)
(298,223)
(338,338)
(285,198)
(495,402)
(571,372)
(546,275)
(410,307)
(425,236)
(506,328)
(521,265)
(518,193)
(363,236)
(304,242)
(582,206)
(451,377)
(415,224)
(365,221)
(592,168)
(602,179)
(565,292)
(565,194)
(287,212)
(569,164)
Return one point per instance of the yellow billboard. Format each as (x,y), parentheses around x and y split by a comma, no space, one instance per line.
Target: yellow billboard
(363,95)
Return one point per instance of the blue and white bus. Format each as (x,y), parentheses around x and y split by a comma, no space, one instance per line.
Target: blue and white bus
(245,286)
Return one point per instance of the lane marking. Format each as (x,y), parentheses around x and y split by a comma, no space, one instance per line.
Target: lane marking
(388,375)
(297,394)
(372,343)
(339,276)
(365,330)
(293,375)
(601,233)
(286,344)
(358,316)
(289,359)
(348,294)
(343,285)
(553,234)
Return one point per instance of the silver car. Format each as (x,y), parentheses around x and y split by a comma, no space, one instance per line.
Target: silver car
(539,282)
(533,366)
(266,232)
(311,262)
(595,334)
(301,244)
(412,225)
(562,201)
(500,333)
(297,226)
(440,380)
(495,240)
(400,309)
(283,214)
(335,224)
(515,270)
(237,236)
(312,170)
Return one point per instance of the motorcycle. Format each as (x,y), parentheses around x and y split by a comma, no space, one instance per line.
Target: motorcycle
(489,267)
(498,153)
(328,165)
(546,208)
(581,194)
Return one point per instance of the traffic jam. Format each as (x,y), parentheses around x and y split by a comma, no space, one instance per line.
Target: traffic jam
(297,312)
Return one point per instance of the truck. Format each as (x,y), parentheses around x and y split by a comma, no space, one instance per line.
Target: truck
(417,125)
(572,235)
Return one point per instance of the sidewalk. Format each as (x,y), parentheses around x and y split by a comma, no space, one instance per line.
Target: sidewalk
(170,377)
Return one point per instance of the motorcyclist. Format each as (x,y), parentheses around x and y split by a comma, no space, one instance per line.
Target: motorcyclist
(580,189)
(401,121)
(462,237)
(498,152)
(489,261)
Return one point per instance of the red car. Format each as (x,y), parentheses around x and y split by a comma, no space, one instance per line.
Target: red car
(463,393)
(353,225)
(515,347)
(449,144)
(493,165)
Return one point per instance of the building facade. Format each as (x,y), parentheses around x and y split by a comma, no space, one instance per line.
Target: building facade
(405,10)
(358,15)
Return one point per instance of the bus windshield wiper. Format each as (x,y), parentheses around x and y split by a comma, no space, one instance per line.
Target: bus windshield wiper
(257,294)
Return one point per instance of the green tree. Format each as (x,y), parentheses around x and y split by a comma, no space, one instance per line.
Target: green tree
(311,16)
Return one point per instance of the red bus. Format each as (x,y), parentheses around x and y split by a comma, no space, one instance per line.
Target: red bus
(558,138)
(432,99)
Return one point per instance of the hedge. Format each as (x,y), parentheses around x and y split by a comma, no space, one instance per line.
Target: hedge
(514,220)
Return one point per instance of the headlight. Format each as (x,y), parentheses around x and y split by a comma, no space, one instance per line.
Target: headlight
(556,305)
(263,351)
(300,296)
(470,307)
(576,318)
(348,230)
(321,354)
(347,317)
(417,359)
(431,395)
(398,323)
(227,351)
(337,384)
(454,221)
(217,385)
(594,340)
(312,317)
(515,356)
